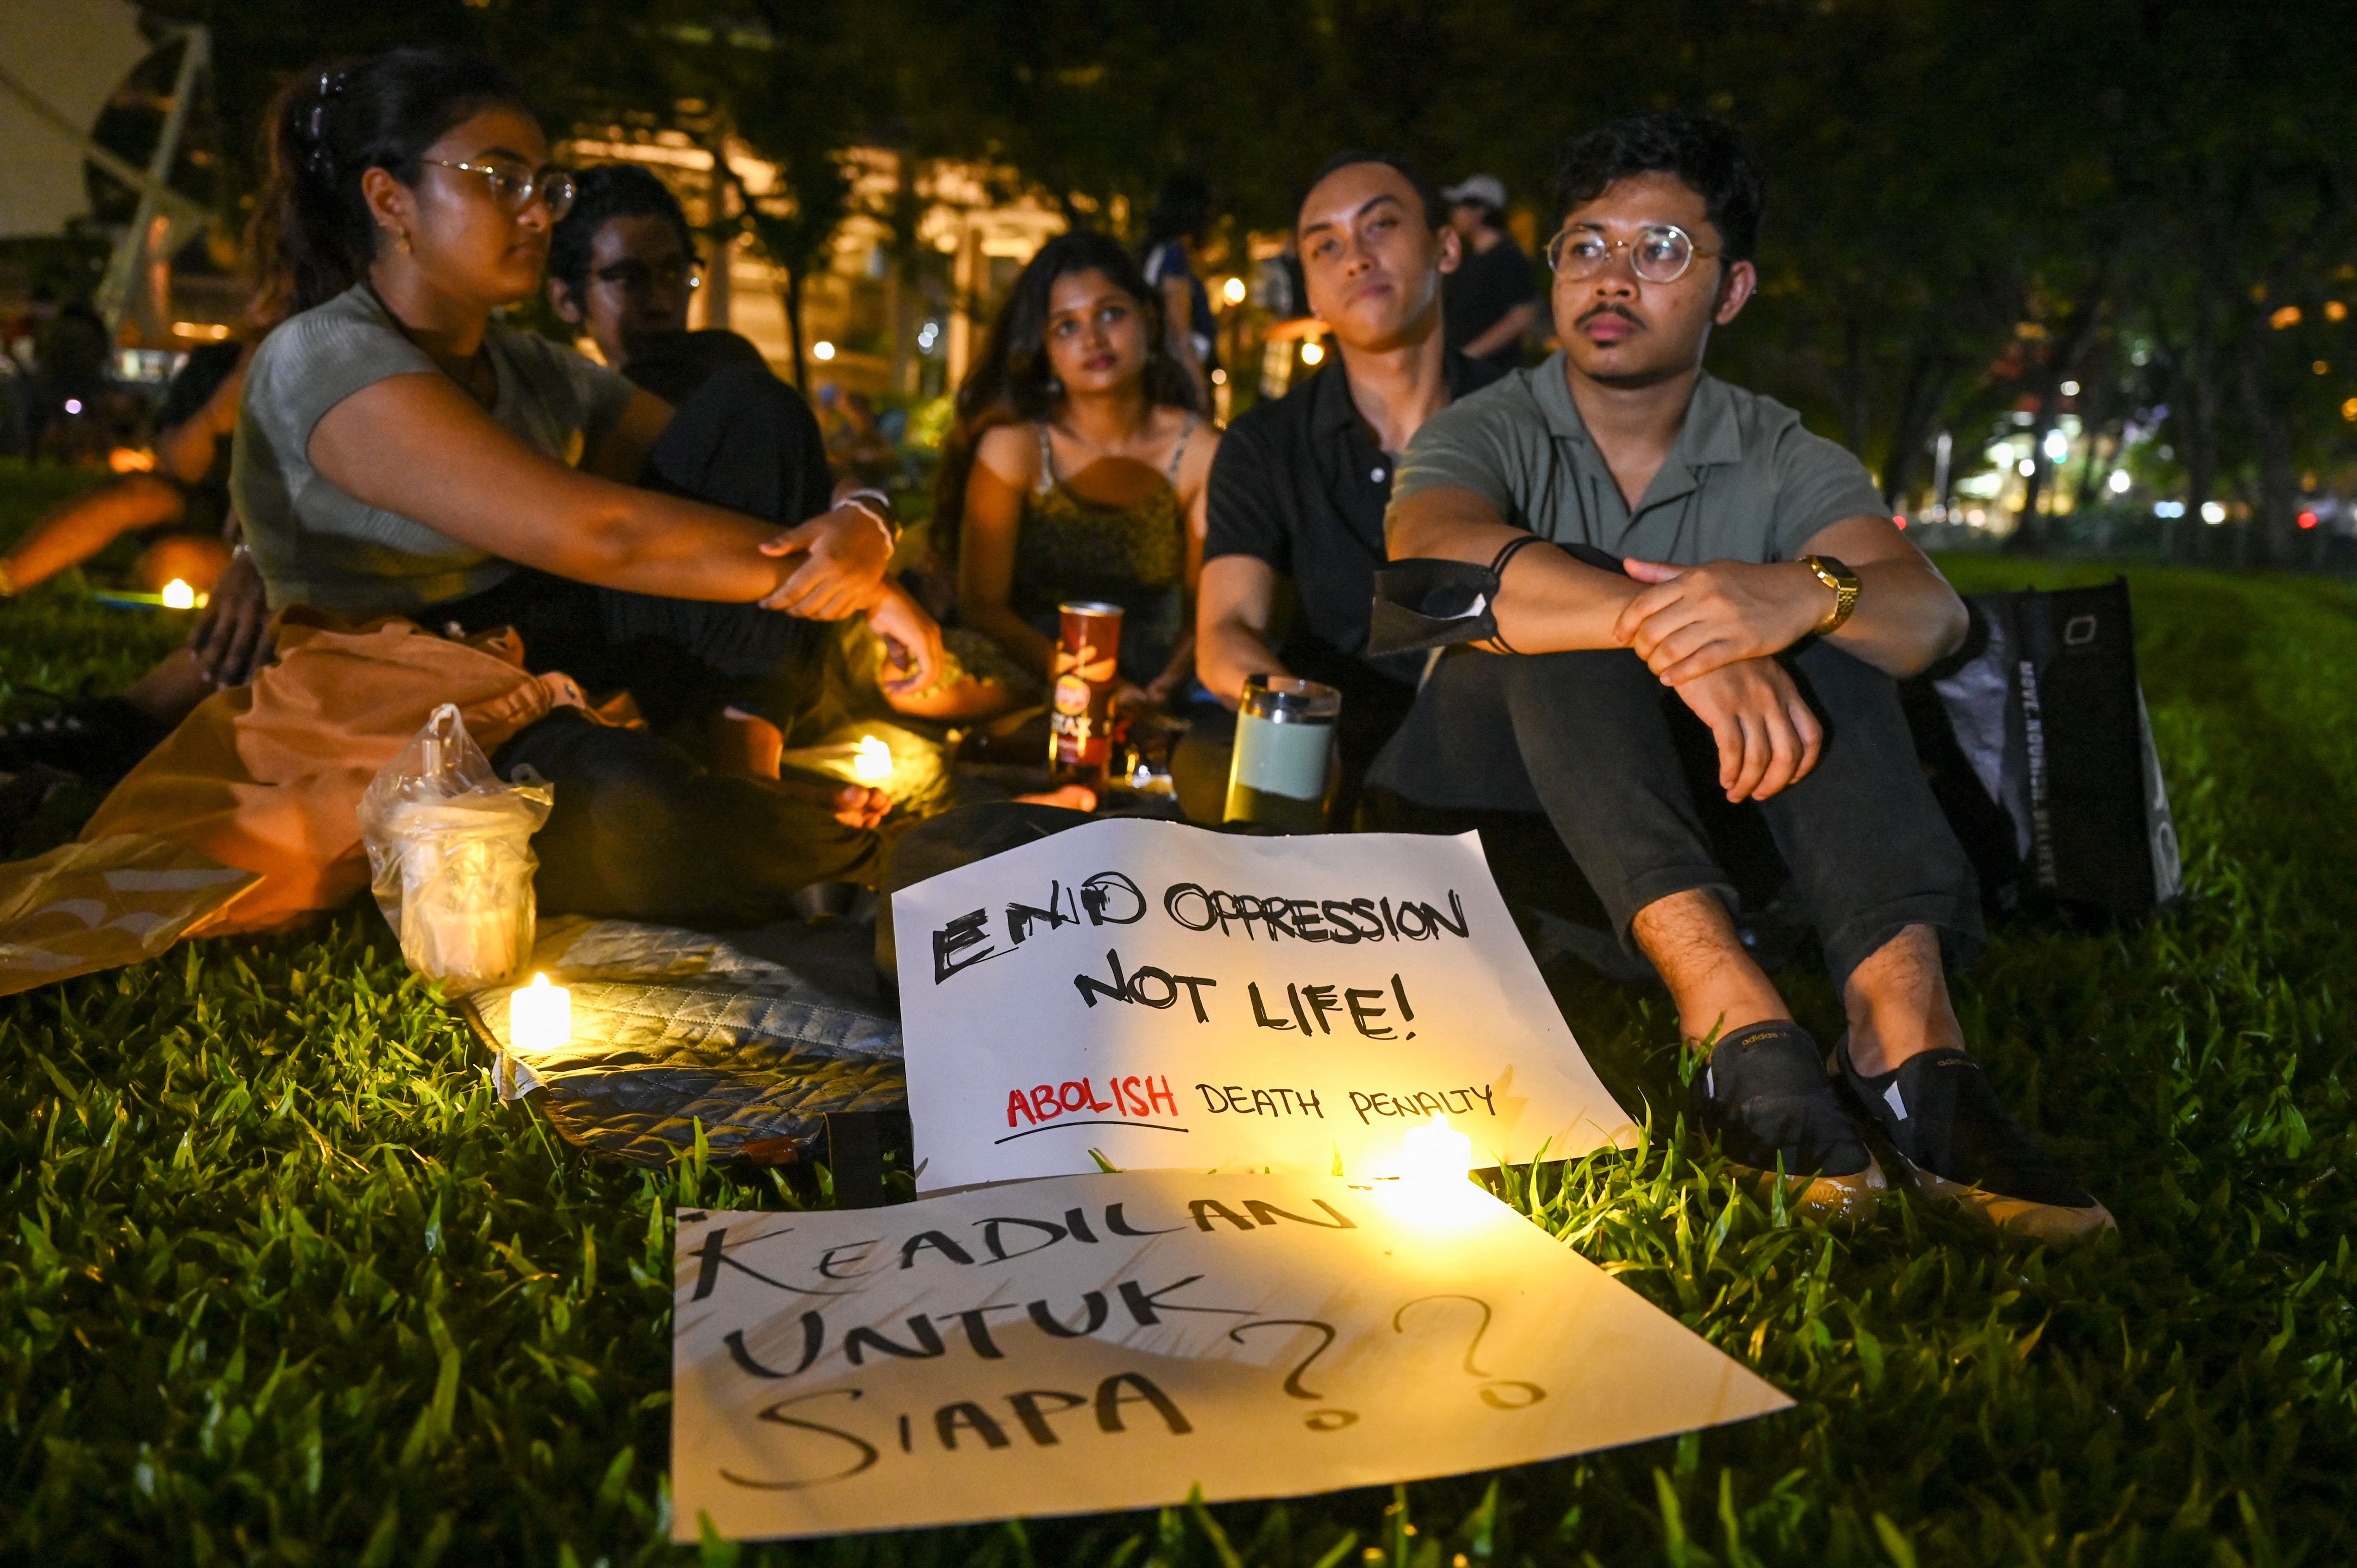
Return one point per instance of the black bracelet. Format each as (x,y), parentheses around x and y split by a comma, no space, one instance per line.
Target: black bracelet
(1498,572)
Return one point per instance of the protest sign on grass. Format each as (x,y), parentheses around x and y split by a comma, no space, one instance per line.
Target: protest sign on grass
(1093,1343)
(1171,997)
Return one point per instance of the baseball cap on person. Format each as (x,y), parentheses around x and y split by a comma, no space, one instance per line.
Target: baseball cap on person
(1486,189)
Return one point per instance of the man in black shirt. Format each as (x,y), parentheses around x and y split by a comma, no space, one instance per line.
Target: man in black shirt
(1493,299)
(1300,485)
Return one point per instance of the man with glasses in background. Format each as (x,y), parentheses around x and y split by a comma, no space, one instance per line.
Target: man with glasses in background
(622,267)
(1709,646)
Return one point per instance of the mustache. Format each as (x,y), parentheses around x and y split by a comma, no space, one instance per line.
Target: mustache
(1622,311)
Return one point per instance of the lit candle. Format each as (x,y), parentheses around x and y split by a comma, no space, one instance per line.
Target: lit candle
(872,762)
(1436,1152)
(179,596)
(540,1017)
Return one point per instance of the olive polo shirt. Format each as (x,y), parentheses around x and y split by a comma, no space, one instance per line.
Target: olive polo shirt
(1744,482)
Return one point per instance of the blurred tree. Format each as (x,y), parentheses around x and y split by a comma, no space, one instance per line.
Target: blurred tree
(1970,203)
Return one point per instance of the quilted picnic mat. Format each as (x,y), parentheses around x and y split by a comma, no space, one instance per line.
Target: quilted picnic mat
(671,1028)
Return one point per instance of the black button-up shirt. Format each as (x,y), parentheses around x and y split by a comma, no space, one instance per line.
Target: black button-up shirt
(1301,484)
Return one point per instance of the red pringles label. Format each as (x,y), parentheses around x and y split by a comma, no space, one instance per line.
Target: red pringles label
(1079,746)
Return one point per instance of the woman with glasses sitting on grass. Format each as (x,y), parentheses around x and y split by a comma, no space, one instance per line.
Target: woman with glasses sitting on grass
(398,454)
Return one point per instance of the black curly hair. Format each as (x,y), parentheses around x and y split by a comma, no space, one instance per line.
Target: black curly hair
(1701,149)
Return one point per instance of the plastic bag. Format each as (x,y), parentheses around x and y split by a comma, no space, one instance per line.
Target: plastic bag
(450,859)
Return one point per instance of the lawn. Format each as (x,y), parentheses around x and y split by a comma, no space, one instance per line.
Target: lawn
(284,1283)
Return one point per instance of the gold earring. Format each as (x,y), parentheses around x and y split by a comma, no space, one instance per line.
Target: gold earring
(405,242)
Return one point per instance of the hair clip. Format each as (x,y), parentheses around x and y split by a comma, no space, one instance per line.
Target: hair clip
(331,87)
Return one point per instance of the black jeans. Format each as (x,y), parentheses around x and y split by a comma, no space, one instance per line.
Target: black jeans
(1628,776)
(641,830)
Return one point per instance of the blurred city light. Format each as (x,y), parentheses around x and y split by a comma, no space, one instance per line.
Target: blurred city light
(2214,512)
(2287,317)
(2118,483)
(822,349)
(1232,291)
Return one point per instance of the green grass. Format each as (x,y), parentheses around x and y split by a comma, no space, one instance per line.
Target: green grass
(283,1282)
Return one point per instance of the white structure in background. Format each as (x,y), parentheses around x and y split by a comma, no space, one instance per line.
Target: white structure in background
(60,61)
(860,299)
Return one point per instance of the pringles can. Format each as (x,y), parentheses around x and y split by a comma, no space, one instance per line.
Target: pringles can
(1284,754)
(1079,722)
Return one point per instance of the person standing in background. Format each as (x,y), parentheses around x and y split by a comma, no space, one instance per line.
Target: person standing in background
(1175,234)
(1493,299)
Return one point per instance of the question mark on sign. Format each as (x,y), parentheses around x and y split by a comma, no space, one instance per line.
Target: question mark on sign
(1498,1394)
(1318,1420)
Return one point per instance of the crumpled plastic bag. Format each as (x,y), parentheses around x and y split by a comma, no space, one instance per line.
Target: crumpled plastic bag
(87,907)
(450,861)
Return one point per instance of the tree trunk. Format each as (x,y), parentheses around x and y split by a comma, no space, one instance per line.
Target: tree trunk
(789,296)
(2033,537)
(2195,398)
(1926,388)
(1855,404)
(2278,475)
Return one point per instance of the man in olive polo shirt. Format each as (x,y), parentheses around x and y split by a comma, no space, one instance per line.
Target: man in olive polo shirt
(1720,581)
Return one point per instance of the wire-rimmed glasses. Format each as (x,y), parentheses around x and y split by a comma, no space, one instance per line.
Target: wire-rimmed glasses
(1660,252)
(516,187)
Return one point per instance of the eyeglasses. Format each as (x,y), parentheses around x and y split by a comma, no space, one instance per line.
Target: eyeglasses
(1661,254)
(641,277)
(515,188)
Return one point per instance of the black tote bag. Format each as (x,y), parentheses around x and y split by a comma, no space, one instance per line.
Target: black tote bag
(2035,737)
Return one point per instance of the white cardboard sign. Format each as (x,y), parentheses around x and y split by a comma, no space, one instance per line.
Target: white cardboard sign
(1175,998)
(1103,1342)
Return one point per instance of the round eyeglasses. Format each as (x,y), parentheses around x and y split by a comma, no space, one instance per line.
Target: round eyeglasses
(1661,254)
(516,187)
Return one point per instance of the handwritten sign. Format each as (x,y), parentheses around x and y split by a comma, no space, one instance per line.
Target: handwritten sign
(1114,1341)
(1175,998)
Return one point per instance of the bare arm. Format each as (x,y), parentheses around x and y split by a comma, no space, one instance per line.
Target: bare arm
(1195,491)
(621,452)
(186,451)
(1508,328)
(1231,618)
(417,446)
(994,514)
(1695,619)
(80,527)
(1549,603)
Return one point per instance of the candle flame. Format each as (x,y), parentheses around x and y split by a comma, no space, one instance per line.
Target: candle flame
(179,596)
(872,763)
(1436,1150)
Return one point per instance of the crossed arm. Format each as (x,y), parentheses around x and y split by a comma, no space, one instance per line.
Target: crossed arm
(1709,631)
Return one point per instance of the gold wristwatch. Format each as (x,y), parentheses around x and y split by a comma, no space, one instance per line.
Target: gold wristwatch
(1843,582)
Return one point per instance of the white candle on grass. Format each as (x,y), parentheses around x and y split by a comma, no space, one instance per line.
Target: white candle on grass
(1436,1152)
(540,1017)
